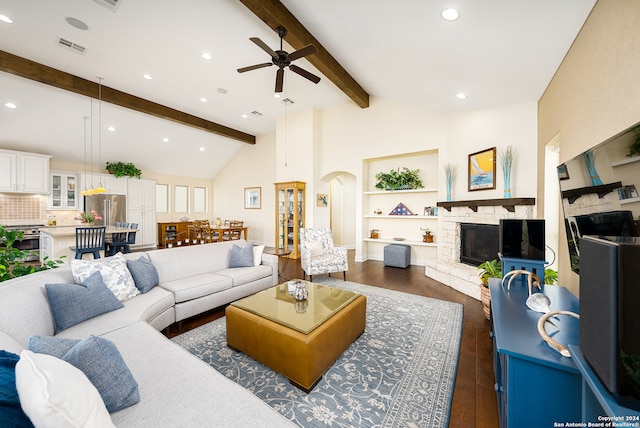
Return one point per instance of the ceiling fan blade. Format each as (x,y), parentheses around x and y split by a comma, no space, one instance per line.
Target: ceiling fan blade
(263,46)
(279,80)
(307,50)
(304,73)
(254,67)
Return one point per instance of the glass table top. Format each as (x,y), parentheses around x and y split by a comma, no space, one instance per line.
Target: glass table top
(277,304)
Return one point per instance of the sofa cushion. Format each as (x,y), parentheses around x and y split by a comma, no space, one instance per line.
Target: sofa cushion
(73,303)
(241,256)
(144,274)
(100,361)
(193,287)
(257,254)
(11,413)
(59,395)
(245,275)
(114,272)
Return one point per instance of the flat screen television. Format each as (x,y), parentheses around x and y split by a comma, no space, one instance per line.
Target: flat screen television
(522,239)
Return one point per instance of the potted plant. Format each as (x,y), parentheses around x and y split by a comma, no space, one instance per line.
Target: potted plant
(12,259)
(488,269)
(121,169)
(550,276)
(396,179)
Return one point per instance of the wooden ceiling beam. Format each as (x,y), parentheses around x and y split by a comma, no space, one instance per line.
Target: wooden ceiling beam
(274,14)
(28,69)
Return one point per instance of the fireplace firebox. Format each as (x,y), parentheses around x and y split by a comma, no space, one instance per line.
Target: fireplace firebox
(479,243)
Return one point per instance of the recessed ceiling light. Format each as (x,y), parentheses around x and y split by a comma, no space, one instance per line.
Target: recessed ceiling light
(6,19)
(147,76)
(11,105)
(111,129)
(221,90)
(76,23)
(206,55)
(165,140)
(276,95)
(202,149)
(450,14)
(203,99)
(244,116)
(461,96)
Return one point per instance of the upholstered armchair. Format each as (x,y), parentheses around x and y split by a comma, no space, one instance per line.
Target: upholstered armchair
(319,255)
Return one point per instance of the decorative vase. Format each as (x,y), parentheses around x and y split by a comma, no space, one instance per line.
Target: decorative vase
(301,292)
(485,297)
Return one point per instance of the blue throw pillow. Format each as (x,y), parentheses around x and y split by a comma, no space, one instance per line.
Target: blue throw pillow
(241,256)
(99,359)
(73,303)
(144,273)
(11,413)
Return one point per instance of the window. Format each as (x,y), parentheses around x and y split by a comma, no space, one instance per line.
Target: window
(181,199)
(199,199)
(162,198)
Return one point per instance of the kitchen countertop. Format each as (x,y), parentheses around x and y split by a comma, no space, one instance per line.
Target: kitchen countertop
(71,230)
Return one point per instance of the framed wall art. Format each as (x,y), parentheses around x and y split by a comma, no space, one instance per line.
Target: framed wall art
(563,172)
(482,170)
(322,200)
(252,198)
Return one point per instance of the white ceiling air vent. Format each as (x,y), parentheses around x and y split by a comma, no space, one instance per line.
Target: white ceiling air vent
(256,113)
(112,5)
(287,101)
(74,47)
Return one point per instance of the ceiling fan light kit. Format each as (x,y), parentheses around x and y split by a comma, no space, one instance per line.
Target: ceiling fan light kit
(282,59)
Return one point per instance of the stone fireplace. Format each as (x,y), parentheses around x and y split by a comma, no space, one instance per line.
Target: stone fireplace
(446,267)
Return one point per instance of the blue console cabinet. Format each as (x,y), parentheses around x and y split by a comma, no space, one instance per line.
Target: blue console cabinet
(535,385)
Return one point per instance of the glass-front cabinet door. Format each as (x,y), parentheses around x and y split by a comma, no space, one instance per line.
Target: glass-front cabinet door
(289,216)
(63,194)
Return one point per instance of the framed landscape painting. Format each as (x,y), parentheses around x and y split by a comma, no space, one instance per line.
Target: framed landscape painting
(482,170)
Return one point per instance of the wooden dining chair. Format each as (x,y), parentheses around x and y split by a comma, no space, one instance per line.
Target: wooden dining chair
(89,240)
(234,232)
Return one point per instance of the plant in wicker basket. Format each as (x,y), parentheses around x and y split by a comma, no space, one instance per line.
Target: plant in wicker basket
(488,269)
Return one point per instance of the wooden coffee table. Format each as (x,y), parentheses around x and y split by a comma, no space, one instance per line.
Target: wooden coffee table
(299,340)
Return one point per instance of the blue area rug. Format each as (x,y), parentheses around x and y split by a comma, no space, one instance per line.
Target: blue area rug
(399,373)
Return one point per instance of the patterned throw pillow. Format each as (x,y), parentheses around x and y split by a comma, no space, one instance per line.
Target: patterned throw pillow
(241,256)
(114,273)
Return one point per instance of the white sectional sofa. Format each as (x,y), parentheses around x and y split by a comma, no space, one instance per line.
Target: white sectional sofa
(175,388)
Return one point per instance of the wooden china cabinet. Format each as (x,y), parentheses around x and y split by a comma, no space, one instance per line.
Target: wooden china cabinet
(289,216)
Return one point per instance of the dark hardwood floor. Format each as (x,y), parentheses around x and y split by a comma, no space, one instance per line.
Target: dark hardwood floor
(474,399)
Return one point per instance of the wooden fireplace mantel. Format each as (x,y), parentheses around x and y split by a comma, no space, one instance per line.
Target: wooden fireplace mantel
(508,204)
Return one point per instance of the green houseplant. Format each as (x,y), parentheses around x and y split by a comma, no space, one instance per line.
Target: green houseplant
(121,169)
(397,179)
(12,259)
(488,269)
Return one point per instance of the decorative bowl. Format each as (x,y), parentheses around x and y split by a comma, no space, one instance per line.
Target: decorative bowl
(398,239)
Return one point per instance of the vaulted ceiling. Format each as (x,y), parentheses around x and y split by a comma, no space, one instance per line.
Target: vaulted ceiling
(498,52)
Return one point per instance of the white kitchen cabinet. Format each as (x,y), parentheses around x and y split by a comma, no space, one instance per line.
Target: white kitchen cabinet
(141,209)
(63,194)
(22,172)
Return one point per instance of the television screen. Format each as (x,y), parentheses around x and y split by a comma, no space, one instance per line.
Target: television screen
(522,239)
(612,223)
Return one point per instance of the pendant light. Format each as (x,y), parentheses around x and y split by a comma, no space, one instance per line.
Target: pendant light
(100,188)
(85,191)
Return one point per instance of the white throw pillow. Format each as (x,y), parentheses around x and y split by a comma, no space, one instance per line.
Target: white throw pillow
(54,394)
(315,247)
(114,273)
(257,254)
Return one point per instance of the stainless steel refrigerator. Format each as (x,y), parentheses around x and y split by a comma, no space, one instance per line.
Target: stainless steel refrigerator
(112,208)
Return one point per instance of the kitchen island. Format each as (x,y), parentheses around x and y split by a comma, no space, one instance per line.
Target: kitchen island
(56,241)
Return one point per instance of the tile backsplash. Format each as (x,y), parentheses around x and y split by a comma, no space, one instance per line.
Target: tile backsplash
(22,208)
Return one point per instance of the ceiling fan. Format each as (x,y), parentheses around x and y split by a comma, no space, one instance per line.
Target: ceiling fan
(283,59)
